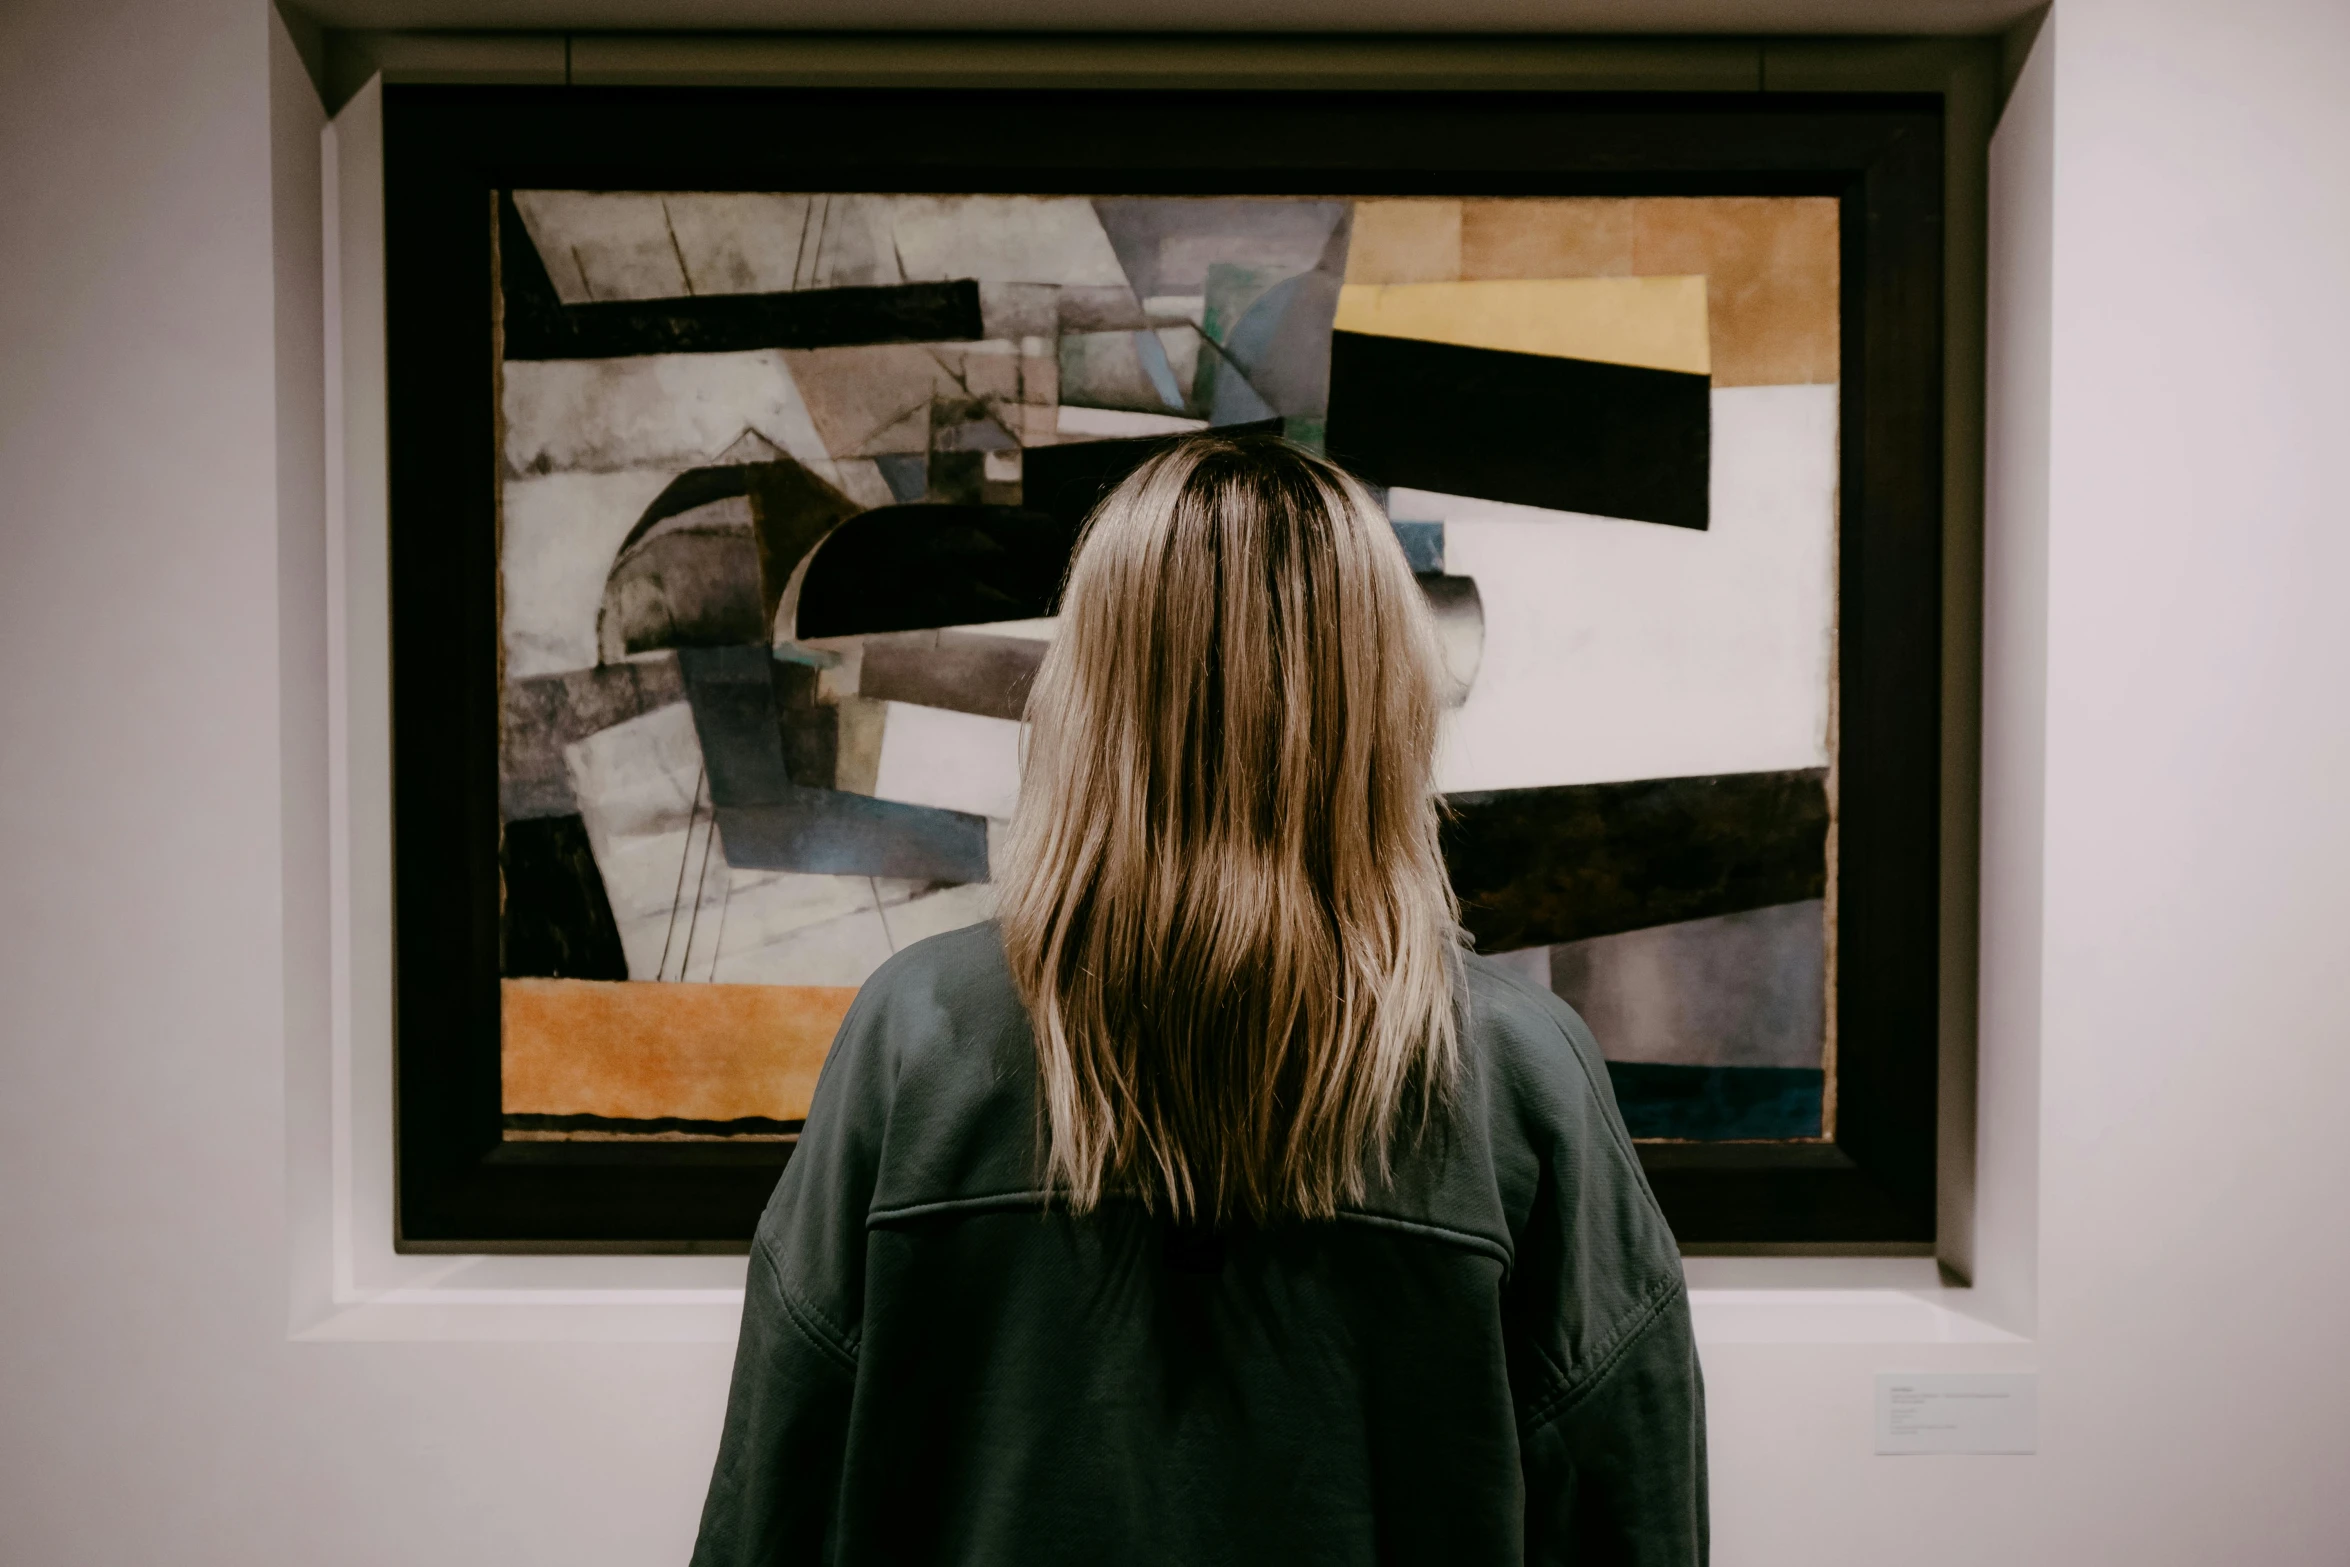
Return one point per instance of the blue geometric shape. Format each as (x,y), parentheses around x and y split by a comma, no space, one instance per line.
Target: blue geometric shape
(1423,544)
(1153,355)
(1282,344)
(1235,401)
(842,834)
(906,473)
(1718,1103)
(732,693)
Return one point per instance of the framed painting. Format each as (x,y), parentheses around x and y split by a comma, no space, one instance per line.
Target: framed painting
(740,440)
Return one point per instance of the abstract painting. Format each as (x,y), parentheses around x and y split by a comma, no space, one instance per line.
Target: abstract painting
(789,483)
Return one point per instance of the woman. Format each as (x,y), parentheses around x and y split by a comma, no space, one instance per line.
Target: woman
(1212,1205)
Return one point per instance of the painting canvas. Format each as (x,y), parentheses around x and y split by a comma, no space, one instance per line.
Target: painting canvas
(789,483)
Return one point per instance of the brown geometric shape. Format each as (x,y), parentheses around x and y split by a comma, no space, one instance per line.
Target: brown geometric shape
(864,401)
(638,1050)
(962,671)
(1774,278)
(1534,237)
(1405,242)
(1771,264)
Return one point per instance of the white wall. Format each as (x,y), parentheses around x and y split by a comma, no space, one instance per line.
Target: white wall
(2166,863)
(2195,1256)
(152,1409)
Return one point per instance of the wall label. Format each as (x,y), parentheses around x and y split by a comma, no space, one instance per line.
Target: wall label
(1958,1412)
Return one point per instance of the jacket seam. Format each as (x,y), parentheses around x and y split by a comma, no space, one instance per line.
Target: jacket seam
(1558,1403)
(812,1324)
(1466,1239)
(991,1201)
(879,1217)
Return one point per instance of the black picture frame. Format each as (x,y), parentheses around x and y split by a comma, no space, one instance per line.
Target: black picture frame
(448,150)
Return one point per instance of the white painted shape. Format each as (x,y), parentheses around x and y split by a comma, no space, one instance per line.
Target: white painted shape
(617,244)
(1040,630)
(560,533)
(1005,239)
(956,761)
(1618,650)
(950,908)
(639,787)
(1109,423)
(756,910)
(746,242)
(683,912)
(636,245)
(652,410)
(1166,309)
(851,244)
(1958,1412)
(844,950)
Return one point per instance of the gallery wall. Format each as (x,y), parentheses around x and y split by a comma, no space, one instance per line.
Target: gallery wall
(2164,1007)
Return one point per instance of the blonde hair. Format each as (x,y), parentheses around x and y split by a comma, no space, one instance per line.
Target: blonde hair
(1224,904)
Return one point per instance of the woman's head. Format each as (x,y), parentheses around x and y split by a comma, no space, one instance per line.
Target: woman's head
(1225,905)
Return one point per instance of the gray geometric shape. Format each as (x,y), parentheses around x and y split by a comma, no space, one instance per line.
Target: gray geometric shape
(1231,399)
(1127,370)
(768,822)
(692,578)
(1017,310)
(732,691)
(1283,344)
(541,715)
(707,562)
(1099,309)
(1746,989)
(908,477)
(1166,244)
(962,671)
(1460,630)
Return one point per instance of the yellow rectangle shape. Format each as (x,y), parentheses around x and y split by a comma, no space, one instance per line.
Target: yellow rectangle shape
(638,1050)
(1658,323)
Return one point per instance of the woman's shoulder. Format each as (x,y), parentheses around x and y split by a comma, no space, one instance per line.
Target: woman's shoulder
(936,1062)
(946,984)
(1532,1120)
(1535,1048)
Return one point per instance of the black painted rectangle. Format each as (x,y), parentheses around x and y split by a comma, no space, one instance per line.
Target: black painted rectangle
(731,323)
(1535,867)
(537,324)
(917,568)
(555,920)
(1067,481)
(1529,429)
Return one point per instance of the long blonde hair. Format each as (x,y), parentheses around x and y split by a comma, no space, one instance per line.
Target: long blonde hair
(1224,904)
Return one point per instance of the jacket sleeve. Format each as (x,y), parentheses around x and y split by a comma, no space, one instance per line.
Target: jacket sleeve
(795,1368)
(1611,1403)
(1617,1473)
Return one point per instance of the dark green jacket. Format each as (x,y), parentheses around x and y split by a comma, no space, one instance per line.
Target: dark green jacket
(1488,1362)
